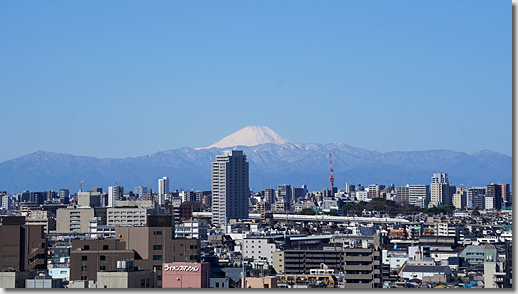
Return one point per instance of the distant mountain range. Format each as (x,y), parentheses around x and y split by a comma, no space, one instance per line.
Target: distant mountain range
(273,161)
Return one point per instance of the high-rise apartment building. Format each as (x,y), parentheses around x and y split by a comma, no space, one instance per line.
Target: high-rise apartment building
(494,191)
(189,196)
(440,178)
(374,191)
(163,189)
(114,194)
(284,193)
(349,188)
(64,196)
(140,190)
(230,187)
(459,200)
(475,197)
(6,202)
(441,194)
(269,195)
(403,194)
(419,195)
(506,194)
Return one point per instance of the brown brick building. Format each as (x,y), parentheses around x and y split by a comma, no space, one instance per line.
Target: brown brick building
(149,247)
(22,247)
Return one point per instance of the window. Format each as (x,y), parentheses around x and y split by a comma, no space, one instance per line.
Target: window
(157,247)
(159,278)
(142,283)
(84,258)
(157,233)
(84,278)
(84,268)
(86,247)
(106,247)
(157,257)
(102,268)
(63,272)
(157,267)
(102,257)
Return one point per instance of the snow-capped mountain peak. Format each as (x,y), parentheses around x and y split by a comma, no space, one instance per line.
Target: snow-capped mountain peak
(250,136)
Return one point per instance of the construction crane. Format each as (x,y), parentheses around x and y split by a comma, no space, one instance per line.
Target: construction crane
(332,177)
(465,189)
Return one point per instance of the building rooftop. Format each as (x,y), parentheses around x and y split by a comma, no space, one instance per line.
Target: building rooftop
(425,268)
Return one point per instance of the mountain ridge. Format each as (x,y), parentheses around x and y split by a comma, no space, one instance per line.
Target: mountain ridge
(270,165)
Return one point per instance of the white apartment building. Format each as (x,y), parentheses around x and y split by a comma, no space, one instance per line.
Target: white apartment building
(361,195)
(191,230)
(163,189)
(6,202)
(490,203)
(444,229)
(230,187)
(260,249)
(127,216)
(115,193)
(419,195)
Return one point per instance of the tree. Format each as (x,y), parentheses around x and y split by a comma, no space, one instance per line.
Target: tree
(475,212)
(307,211)
(332,213)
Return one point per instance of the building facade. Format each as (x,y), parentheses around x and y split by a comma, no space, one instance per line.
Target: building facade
(230,187)
(163,189)
(115,193)
(23,247)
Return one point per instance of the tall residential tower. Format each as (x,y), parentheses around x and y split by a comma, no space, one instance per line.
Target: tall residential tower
(230,189)
(163,190)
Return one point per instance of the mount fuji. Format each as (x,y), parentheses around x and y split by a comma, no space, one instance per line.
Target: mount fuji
(273,161)
(249,136)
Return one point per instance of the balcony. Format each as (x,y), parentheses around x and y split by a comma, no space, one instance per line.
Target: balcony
(359,277)
(359,258)
(358,267)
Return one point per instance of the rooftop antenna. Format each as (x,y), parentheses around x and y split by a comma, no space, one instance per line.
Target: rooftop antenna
(81,186)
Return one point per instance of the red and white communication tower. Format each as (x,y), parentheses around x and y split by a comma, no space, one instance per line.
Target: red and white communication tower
(332,177)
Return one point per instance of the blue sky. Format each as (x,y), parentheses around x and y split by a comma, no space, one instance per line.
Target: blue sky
(130,78)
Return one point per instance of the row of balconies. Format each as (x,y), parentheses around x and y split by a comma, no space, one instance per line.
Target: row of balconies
(359,277)
(358,267)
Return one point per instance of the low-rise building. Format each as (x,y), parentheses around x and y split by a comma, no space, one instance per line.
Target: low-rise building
(126,279)
(261,282)
(191,230)
(259,249)
(186,275)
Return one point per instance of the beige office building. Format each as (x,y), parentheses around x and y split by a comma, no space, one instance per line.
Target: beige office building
(73,220)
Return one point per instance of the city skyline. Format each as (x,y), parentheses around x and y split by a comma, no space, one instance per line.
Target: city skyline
(398,76)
